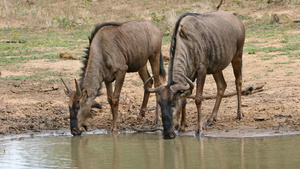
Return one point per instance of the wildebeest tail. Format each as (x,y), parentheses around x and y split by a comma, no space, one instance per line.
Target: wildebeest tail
(217,8)
(162,71)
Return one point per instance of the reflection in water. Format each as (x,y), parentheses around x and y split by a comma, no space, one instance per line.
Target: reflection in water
(150,151)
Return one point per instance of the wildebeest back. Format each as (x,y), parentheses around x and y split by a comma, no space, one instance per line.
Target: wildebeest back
(124,45)
(206,40)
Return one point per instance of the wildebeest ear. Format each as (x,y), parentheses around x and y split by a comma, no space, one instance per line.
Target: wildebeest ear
(84,94)
(96,105)
(179,88)
(182,32)
(78,90)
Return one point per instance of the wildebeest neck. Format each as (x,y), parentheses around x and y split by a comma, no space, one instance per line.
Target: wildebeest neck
(173,46)
(87,52)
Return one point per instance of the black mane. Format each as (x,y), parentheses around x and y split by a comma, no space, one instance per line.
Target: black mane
(173,47)
(86,56)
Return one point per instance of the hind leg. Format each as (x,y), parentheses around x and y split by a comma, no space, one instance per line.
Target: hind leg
(237,69)
(221,86)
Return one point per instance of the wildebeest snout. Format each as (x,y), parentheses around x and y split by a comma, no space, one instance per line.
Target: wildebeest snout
(76,131)
(169,135)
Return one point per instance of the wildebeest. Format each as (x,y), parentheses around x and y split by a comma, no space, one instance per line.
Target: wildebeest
(116,48)
(201,44)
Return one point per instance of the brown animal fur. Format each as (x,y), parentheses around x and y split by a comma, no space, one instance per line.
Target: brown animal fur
(203,44)
(117,48)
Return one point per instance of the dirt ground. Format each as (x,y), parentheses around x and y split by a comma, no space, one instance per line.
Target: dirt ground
(28,106)
(42,105)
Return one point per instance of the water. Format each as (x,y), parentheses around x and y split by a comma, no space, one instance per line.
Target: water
(150,151)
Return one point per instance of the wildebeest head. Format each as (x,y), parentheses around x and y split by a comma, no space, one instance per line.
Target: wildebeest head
(169,101)
(79,104)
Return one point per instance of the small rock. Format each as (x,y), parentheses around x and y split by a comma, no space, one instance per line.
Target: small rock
(67,55)
(261,118)
(274,19)
(166,57)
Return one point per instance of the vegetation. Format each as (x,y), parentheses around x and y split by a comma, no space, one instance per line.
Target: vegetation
(55,29)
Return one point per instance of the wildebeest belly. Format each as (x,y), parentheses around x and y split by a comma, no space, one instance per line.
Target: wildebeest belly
(219,64)
(216,68)
(135,66)
(136,62)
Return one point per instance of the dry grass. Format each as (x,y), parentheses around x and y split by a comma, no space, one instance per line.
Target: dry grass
(83,14)
(72,14)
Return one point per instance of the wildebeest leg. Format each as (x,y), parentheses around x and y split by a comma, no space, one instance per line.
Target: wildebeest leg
(183,122)
(154,62)
(237,69)
(144,74)
(177,112)
(113,98)
(109,91)
(221,86)
(201,75)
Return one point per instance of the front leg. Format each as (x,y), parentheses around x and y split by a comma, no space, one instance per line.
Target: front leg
(109,92)
(114,98)
(201,75)
(183,123)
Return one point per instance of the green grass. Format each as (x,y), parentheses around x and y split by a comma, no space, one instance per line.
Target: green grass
(280,41)
(44,45)
(294,55)
(34,77)
(286,62)
(73,37)
(267,57)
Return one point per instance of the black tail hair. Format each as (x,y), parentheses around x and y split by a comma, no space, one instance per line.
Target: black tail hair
(217,8)
(86,56)
(162,71)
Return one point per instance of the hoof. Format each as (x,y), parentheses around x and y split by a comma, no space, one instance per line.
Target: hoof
(208,124)
(181,130)
(239,119)
(85,127)
(139,118)
(199,135)
(157,122)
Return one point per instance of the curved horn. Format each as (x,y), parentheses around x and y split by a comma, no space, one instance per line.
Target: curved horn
(78,91)
(154,90)
(189,81)
(68,88)
(182,88)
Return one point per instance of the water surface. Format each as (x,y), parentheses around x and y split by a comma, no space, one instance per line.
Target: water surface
(150,151)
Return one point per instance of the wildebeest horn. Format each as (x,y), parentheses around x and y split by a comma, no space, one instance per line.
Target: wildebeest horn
(68,88)
(78,91)
(189,81)
(183,88)
(154,90)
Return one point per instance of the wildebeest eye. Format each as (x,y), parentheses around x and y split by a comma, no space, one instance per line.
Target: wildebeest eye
(173,103)
(76,105)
